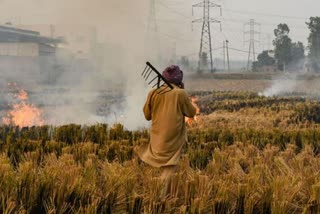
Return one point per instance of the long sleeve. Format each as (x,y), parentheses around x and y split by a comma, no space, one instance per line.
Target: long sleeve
(188,109)
(147,106)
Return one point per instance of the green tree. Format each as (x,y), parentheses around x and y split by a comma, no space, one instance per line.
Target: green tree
(297,51)
(204,60)
(263,60)
(283,45)
(185,61)
(314,42)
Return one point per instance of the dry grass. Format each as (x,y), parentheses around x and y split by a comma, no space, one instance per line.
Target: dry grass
(243,160)
(239,179)
(227,85)
(248,118)
(254,82)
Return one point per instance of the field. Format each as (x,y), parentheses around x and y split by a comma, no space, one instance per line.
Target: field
(246,154)
(254,82)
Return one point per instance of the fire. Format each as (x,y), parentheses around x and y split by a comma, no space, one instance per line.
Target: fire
(23,95)
(190,121)
(22,113)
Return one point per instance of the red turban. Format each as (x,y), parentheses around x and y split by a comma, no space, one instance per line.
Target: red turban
(173,74)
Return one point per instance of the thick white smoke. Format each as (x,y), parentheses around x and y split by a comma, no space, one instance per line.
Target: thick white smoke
(110,90)
(289,82)
(281,85)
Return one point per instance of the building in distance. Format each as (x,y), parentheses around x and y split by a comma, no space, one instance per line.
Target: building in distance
(20,42)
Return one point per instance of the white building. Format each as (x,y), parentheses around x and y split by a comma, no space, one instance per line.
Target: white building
(20,42)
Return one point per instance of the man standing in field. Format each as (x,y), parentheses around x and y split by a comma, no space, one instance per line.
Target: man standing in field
(167,111)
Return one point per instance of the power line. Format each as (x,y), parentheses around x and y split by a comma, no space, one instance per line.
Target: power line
(227,35)
(244,12)
(171,21)
(176,38)
(172,10)
(196,53)
(264,23)
(266,14)
(235,49)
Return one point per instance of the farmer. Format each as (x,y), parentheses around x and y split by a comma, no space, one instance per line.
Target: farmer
(167,111)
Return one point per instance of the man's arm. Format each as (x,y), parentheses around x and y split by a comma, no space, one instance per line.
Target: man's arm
(188,109)
(147,106)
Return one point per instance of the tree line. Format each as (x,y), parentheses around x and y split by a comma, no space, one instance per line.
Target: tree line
(289,55)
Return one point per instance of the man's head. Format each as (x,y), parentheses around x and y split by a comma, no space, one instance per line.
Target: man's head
(173,74)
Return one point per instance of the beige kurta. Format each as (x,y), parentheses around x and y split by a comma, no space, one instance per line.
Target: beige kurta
(168,129)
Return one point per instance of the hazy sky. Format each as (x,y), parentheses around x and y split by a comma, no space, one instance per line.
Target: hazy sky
(125,21)
(269,13)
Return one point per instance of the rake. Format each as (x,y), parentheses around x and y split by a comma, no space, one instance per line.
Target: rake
(150,72)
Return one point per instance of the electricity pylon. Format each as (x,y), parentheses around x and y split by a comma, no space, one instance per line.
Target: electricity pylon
(152,22)
(151,47)
(205,41)
(252,40)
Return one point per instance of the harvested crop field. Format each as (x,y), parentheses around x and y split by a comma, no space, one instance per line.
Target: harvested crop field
(254,82)
(246,154)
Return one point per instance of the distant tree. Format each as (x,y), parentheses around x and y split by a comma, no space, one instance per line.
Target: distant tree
(263,60)
(283,46)
(204,60)
(297,51)
(314,42)
(255,66)
(185,61)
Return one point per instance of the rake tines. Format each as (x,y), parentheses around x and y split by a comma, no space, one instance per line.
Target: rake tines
(151,72)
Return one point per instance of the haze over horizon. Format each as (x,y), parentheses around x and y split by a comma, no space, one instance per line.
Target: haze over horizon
(124,22)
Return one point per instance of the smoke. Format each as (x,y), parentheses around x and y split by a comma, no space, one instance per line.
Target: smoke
(282,85)
(104,86)
(289,82)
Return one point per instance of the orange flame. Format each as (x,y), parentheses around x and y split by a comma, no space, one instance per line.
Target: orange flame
(23,95)
(190,121)
(23,114)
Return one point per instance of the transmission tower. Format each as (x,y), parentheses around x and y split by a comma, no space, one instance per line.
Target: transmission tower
(252,24)
(269,41)
(152,22)
(205,41)
(151,43)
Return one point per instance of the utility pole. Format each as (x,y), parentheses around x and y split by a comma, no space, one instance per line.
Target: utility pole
(205,41)
(224,55)
(227,45)
(174,53)
(252,40)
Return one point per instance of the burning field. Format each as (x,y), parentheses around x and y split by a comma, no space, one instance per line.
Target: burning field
(21,112)
(249,151)
(37,105)
(57,106)
(72,97)
(246,154)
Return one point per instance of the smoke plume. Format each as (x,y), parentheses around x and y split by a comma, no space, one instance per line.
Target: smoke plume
(282,85)
(106,86)
(289,82)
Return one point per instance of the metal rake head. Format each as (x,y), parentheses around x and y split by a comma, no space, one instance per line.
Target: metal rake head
(153,76)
